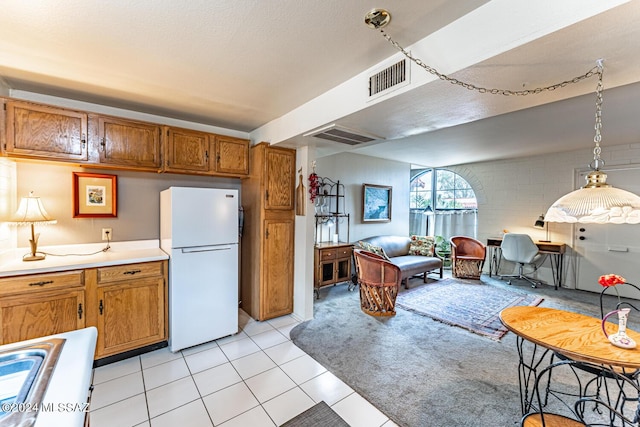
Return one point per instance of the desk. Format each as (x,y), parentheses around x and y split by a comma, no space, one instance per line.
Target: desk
(574,335)
(555,249)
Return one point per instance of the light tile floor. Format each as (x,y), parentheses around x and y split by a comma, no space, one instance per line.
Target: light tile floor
(255,378)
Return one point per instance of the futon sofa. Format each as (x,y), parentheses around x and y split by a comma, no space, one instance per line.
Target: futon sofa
(413,255)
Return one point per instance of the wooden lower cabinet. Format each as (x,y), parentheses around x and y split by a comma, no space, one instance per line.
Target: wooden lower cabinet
(126,303)
(277,284)
(37,305)
(130,315)
(130,306)
(332,264)
(36,314)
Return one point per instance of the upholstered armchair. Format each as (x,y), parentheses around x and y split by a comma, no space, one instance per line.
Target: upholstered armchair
(467,256)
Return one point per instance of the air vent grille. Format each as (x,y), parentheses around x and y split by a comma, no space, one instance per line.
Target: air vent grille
(342,135)
(388,78)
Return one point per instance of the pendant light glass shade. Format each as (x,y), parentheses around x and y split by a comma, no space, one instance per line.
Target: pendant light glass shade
(597,202)
(600,205)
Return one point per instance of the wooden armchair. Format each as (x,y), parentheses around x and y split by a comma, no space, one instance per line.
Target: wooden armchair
(379,283)
(467,257)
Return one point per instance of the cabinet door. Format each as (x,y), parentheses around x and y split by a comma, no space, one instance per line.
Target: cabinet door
(45,132)
(130,315)
(232,155)
(37,314)
(280,178)
(277,286)
(188,151)
(129,143)
(343,270)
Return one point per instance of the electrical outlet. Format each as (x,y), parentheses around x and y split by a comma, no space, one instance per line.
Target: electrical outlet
(107,234)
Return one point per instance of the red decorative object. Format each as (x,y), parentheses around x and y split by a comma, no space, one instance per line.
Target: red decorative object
(314,184)
(611,280)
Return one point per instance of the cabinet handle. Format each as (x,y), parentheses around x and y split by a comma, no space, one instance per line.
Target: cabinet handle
(83,139)
(132,272)
(80,311)
(102,144)
(206,156)
(218,158)
(266,194)
(101,307)
(42,283)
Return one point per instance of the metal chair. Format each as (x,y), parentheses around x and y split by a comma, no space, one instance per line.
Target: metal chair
(379,282)
(467,255)
(582,400)
(521,249)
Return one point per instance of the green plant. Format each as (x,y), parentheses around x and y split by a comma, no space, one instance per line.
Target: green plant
(442,245)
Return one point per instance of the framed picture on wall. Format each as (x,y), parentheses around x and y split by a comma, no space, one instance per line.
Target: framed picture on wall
(94,195)
(376,203)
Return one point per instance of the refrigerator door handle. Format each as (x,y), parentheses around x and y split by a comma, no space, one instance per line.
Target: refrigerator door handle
(194,250)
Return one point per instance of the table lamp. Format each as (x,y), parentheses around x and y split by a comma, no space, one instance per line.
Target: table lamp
(30,212)
(542,224)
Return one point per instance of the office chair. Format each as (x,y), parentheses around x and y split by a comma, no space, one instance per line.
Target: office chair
(521,249)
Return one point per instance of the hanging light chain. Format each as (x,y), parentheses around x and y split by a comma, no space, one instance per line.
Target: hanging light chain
(506,92)
(597,162)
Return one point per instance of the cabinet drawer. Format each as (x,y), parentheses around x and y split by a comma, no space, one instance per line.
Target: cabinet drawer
(35,282)
(327,254)
(119,273)
(343,252)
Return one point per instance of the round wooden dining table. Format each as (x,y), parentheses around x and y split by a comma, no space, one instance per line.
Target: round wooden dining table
(574,335)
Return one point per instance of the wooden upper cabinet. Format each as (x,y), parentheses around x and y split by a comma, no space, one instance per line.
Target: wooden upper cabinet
(194,152)
(41,131)
(188,151)
(59,134)
(232,155)
(129,144)
(280,168)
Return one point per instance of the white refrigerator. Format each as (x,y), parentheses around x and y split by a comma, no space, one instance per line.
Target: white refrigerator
(199,232)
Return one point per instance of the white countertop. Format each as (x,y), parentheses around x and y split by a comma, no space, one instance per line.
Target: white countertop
(70,257)
(68,388)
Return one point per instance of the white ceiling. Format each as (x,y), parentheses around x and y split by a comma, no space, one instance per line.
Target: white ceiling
(279,69)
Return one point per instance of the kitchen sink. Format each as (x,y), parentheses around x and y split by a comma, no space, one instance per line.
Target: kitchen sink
(24,376)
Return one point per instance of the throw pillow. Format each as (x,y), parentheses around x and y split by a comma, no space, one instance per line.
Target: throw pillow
(422,245)
(378,250)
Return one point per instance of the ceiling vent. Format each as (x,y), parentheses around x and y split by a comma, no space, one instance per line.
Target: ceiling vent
(389,78)
(343,135)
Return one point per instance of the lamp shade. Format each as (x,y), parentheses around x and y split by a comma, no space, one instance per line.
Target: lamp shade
(31,211)
(600,205)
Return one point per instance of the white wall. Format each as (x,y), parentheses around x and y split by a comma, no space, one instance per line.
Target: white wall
(513,193)
(138,202)
(353,170)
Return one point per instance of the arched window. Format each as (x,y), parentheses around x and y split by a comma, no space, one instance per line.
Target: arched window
(442,203)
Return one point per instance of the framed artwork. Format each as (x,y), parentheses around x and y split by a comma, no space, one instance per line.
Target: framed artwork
(94,195)
(376,203)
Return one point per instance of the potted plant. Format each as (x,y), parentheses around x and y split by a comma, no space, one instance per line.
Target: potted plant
(443,250)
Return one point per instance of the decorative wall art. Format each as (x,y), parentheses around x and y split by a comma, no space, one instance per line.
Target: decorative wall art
(94,195)
(376,203)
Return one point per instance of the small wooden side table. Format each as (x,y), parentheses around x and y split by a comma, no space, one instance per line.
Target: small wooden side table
(332,264)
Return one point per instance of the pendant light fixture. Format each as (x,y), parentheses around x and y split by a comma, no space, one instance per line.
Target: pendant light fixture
(597,202)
